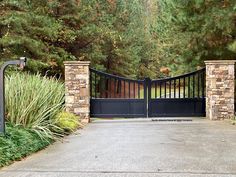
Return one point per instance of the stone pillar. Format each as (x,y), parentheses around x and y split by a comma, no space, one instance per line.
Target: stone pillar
(220,89)
(77,96)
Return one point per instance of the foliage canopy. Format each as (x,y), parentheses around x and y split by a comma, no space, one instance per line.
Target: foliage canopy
(129,38)
(109,33)
(190,32)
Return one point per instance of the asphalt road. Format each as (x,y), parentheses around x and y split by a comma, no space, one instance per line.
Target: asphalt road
(137,148)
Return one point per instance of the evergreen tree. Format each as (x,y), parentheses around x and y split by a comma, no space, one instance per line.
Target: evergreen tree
(190,32)
(111,34)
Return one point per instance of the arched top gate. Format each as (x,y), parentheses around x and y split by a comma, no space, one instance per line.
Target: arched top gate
(113,96)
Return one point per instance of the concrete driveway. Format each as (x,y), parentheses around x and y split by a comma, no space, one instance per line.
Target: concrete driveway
(137,148)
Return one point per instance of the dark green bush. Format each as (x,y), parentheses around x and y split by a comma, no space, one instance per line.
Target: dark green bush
(19,143)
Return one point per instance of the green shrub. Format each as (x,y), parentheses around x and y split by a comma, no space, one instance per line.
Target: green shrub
(68,122)
(19,143)
(33,102)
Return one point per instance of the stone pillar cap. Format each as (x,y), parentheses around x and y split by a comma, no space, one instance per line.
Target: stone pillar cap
(220,61)
(77,62)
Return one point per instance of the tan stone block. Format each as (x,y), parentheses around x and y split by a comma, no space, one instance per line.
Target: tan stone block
(81,102)
(82,110)
(69,99)
(82,77)
(84,92)
(231,69)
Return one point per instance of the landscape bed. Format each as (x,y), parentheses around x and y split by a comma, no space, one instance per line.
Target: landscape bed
(35,116)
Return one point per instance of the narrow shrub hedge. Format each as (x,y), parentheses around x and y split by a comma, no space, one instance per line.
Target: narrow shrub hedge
(19,143)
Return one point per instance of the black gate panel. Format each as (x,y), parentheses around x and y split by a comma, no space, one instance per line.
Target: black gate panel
(182,107)
(118,108)
(180,96)
(113,96)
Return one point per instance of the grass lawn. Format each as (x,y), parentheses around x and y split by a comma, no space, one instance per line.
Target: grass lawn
(19,143)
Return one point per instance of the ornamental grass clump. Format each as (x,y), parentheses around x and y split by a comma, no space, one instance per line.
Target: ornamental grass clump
(68,121)
(33,102)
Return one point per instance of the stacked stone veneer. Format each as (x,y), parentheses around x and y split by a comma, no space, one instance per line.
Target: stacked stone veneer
(220,89)
(77,96)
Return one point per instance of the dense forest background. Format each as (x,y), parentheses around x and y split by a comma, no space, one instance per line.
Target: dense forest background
(132,38)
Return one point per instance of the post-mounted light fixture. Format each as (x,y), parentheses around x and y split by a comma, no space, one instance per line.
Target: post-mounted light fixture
(21,63)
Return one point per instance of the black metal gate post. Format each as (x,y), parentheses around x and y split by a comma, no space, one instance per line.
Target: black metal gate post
(148,94)
(21,62)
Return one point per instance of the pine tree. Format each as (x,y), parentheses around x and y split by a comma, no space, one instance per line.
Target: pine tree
(193,31)
(112,34)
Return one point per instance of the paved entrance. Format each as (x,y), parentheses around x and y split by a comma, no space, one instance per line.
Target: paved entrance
(137,148)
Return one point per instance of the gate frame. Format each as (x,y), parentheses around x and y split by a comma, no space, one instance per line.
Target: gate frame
(108,106)
(194,105)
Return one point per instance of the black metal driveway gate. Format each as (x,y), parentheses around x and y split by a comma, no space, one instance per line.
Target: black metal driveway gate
(180,96)
(113,96)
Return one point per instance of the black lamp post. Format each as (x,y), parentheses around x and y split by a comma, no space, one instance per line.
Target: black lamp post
(21,62)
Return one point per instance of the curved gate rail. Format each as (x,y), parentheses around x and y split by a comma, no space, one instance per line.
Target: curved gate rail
(114,96)
(177,96)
